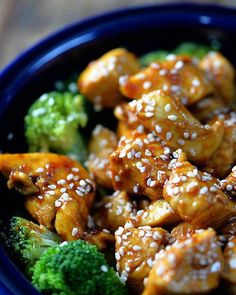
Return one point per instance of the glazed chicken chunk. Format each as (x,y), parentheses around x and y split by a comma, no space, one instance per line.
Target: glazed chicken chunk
(59,190)
(221,72)
(99,82)
(188,267)
(196,196)
(113,211)
(177,76)
(176,126)
(102,143)
(224,157)
(135,252)
(140,165)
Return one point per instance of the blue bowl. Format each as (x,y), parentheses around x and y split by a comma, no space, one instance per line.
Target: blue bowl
(139,29)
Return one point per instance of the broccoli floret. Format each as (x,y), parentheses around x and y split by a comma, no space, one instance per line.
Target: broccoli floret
(52,124)
(75,268)
(192,49)
(186,48)
(27,241)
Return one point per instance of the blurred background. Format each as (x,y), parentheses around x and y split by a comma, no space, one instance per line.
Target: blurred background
(23,22)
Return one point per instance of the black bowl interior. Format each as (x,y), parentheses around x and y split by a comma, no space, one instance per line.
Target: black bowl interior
(70,51)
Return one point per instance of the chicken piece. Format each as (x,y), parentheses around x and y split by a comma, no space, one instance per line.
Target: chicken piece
(159,213)
(221,72)
(182,231)
(187,267)
(224,157)
(64,191)
(178,76)
(113,211)
(196,196)
(102,144)
(135,252)
(175,125)
(140,165)
(229,270)
(99,82)
(71,218)
(207,107)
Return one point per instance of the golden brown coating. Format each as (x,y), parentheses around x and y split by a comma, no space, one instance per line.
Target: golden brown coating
(99,82)
(221,72)
(178,76)
(102,143)
(113,211)
(64,190)
(197,197)
(221,162)
(159,213)
(182,231)
(188,267)
(135,252)
(140,165)
(229,270)
(176,126)
(207,107)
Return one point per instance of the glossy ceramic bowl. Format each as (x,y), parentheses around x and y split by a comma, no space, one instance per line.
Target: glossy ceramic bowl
(139,29)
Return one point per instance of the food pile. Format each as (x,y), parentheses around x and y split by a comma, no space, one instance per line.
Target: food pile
(153,200)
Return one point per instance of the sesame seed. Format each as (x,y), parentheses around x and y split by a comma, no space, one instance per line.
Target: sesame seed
(143,169)
(79,193)
(137,155)
(74,231)
(203,190)
(51,193)
(104,268)
(136,248)
(117,178)
(69,177)
(75,169)
(150,262)
(149,114)
(82,182)
(58,203)
(147,85)
(181,142)
(40,170)
(172,117)
(186,135)
(229,187)
(158,129)
(194,135)
(135,189)
(71,185)
(153,245)
(168,135)
(179,65)
(52,186)
(147,152)
(61,181)
(195,82)
(122,154)
(167,107)
(192,152)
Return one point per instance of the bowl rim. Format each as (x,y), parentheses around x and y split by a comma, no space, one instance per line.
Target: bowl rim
(10,277)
